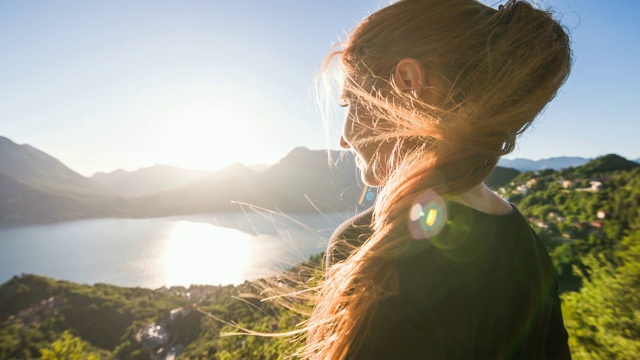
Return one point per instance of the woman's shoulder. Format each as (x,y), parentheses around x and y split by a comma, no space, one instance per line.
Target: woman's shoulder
(349,236)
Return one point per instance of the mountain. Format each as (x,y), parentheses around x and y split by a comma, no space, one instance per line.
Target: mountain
(216,192)
(260,167)
(147,181)
(608,163)
(36,187)
(500,176)
(555,163)
(32,166)
(22,203)
(314,178)
(304,180)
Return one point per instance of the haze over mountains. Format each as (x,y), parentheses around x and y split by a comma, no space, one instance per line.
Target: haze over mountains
(35,187)
(555,163)
(148,180)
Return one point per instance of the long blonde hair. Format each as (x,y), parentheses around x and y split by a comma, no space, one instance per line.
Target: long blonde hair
(499,68)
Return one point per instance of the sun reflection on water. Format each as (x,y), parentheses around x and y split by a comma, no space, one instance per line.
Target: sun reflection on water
(200,253)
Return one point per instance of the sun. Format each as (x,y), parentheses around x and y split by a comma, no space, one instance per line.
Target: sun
(207,133)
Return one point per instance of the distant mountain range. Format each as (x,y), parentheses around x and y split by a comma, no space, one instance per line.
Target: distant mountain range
(35,187)
(148,180)
(555,163)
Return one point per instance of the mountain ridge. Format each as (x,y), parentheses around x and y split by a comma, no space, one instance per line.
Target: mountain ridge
(148,180)
(555,163)
(608,163)
(32,166)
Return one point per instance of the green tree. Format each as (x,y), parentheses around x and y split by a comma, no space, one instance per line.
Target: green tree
(68,347)
(603,318)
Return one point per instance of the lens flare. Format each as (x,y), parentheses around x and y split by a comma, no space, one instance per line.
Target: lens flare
(427,215)
(431,217)
(366,195)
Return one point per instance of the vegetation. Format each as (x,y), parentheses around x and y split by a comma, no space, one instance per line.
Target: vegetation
(603,318)
(68,347)
(41,317)
(578,213)
(36,311)
(588,218)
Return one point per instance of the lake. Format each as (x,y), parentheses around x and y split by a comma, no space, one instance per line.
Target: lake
(154,252)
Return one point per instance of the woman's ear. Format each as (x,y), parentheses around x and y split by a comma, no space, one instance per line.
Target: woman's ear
(409,76)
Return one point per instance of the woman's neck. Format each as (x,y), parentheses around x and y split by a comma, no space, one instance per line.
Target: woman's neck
(481,198)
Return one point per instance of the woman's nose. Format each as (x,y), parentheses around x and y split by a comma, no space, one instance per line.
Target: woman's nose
(343,143)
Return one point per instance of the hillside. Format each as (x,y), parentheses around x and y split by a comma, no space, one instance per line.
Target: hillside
(587,217)
(108,322)
(22,203)
(312,178)
(593,206)
(32,166)
(608,163)
(34,312)
(500,176)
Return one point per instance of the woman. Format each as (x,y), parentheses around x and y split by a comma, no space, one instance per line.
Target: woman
(441,267)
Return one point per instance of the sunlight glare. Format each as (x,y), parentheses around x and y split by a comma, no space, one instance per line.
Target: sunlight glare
(199,132)
(198,253)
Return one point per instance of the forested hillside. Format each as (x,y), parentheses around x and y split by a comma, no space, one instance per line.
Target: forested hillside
(41,317)
(581,211)
(588,217)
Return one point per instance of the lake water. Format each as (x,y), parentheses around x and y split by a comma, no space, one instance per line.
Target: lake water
(156,252)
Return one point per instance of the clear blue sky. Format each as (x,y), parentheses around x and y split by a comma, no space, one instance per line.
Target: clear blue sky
(202,84)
